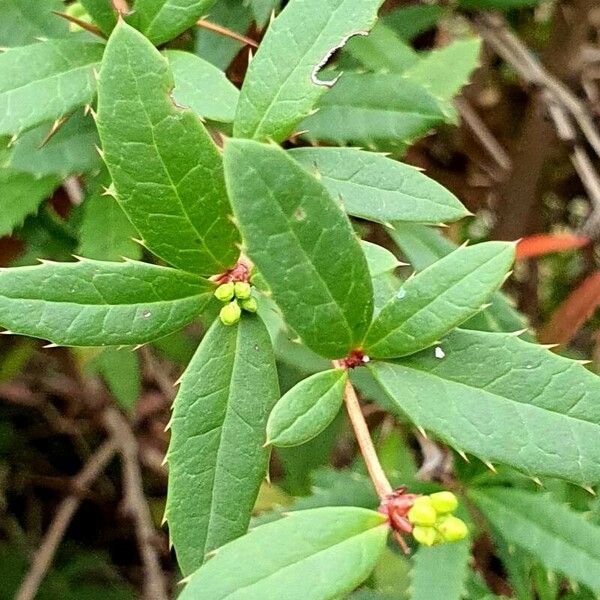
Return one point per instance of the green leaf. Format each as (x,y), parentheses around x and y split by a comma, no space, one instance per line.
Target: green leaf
(24,21)
(504,5)
(309,555)
(105,231)
(218,49)
(410,21)
(102,13)
(292,229)
(378,110)
(92,303)
(561,539)
(423,246)
(439,299)
(445,71)
(379,259)
(121,371)
(440,571)
(217,457)
(199,85)
(378,188)
(45,81)
(382,50)
(262,10)
(22,193)
(175,198)
(498,397)
(282,85)
(307,409)
(162,20)
(70,151)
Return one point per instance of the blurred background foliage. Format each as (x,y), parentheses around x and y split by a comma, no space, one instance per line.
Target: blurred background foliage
(513,146)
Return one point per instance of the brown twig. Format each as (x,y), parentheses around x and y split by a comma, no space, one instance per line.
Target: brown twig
(226,32)
(365,443)
(44,555)
(136,505)
(495,32)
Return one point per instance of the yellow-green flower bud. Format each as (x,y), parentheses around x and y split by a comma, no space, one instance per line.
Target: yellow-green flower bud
(444,502)
(425,535)
(225,292)
(250,305)
(242,290)
(230,314)
(452,529)
(422,512)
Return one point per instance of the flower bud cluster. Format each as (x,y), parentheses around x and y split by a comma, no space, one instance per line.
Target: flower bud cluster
(237,296)
(433,522)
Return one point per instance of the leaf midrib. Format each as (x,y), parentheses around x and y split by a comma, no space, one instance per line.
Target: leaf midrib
(212,513)
(293,71)
(305,254)
(174,188)
(303,558)
(484,390)
(426,306)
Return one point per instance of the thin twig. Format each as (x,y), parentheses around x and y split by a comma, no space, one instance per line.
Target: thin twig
(83,24)
(136,505)
(365,443)
(44,555)
(238,37)
(495,32)
(485,137)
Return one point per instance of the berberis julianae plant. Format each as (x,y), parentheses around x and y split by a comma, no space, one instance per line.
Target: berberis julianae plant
(249,228)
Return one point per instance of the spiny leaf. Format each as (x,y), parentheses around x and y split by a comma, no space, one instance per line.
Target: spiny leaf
(262,10)
(378,110)
(22,193)
(282,85)
(218,49)
(92,303)
(379,259)
(380,189)
(70,151)
(440,571)
(561,539)
(293,229)
(162,20)
(202,87)
(105,232)
(438,299)
(503,400)
(44,81)
(102,13)
(309,555)
(422,246)
(176,199)
(24,21)
(217,457)
(445,71)
(382,50)
(307,409)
